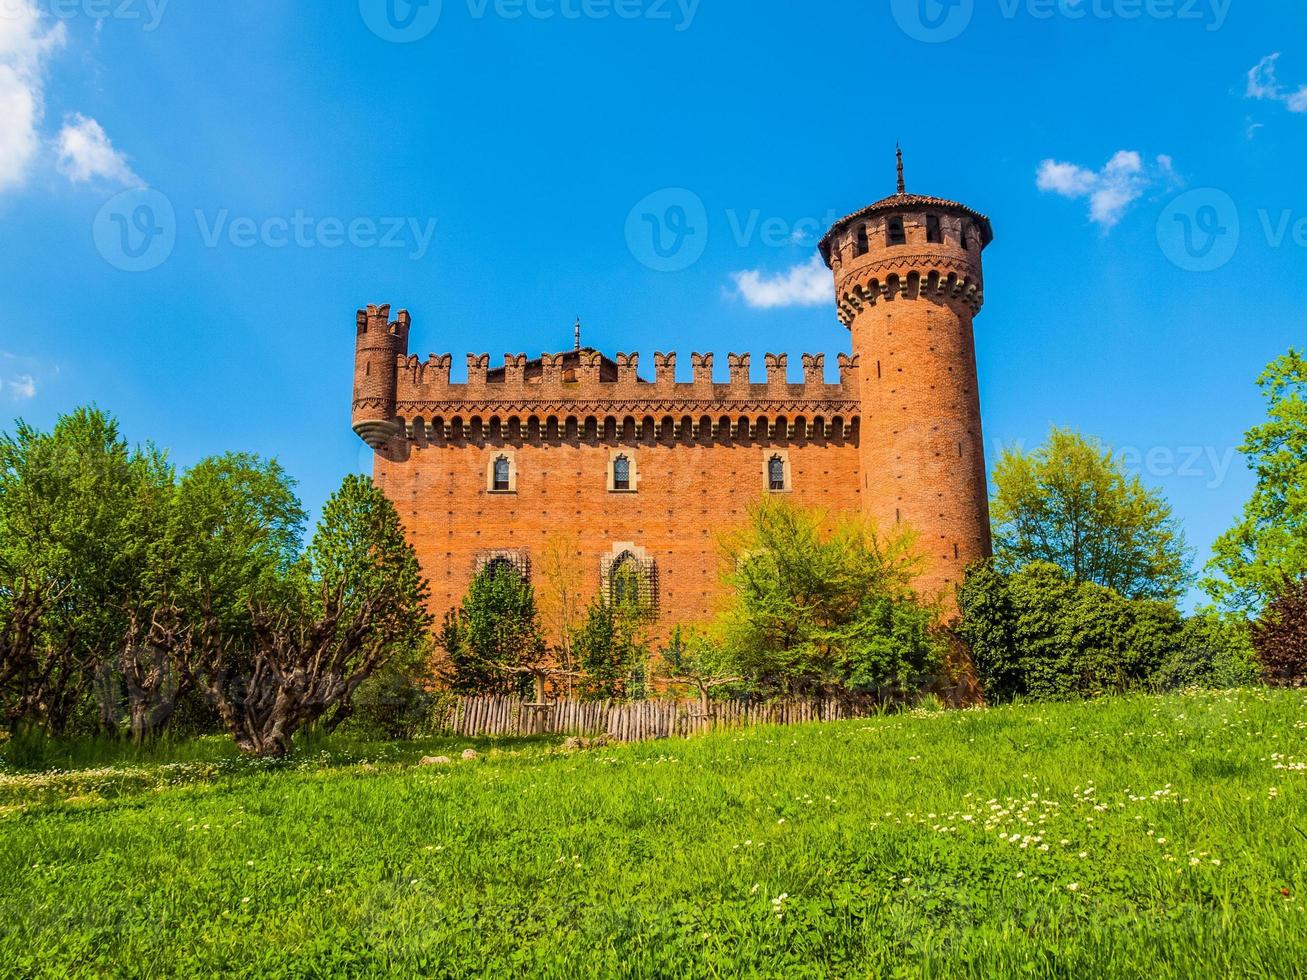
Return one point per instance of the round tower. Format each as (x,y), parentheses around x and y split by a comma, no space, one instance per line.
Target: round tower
(377,349)
(908,283)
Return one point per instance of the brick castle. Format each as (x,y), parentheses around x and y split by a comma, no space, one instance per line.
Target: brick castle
(646,473)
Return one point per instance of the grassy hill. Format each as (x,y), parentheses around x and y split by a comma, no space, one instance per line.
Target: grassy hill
(1135,837)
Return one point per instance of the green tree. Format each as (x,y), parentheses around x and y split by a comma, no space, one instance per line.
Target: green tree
(611,649)
(692,657)
(80,512)
(1071,503)
(1268,545)
(818,609)
(493,640)
(357,600)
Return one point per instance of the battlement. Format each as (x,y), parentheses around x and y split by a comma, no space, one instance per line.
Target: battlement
(589,375)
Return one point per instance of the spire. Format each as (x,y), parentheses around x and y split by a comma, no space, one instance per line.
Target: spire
(578,333)
(899,152)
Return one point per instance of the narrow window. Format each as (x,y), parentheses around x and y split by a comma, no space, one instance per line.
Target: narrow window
(862,246)
(894,233)
(966,238)
(503,471)
(933,234)
(776,473)
(622,473)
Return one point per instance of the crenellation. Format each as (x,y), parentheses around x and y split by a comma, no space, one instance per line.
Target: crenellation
(701,366)
(777,367)
(739,368)
(664,369)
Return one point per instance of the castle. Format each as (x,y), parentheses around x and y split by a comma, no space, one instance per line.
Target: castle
(645,473)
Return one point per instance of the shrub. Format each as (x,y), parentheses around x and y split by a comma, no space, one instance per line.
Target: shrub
(1036,633)
(1280,637)
(1212,651)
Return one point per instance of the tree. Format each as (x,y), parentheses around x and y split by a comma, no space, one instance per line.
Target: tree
(80,512)
(41,680)
(493,640)
(230,540)
(692,658)
(1252,559)
(357,600)
(1280,637)
(562,598)
(1212,651)
(612,652)
(1071,503)
(818,609)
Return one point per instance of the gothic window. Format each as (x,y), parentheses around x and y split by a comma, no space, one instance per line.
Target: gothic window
(622,473)
(862,246)
(776,473)
(503,475)
(630,582)
(933,234)
(498,566)
(894,233)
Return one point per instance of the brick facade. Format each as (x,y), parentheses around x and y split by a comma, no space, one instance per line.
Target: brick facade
(899,437)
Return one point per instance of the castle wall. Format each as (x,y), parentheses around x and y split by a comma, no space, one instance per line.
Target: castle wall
(689,490)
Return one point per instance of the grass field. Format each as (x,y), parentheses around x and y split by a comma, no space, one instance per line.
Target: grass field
(1138,837)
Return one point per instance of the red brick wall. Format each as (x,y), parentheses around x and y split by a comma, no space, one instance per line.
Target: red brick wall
(688,493)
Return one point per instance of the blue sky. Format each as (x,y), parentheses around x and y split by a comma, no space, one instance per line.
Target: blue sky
(488,168)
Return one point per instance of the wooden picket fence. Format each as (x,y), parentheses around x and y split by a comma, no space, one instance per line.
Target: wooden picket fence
(624,721)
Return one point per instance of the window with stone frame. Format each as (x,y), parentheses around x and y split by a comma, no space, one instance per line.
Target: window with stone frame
(776,474)
(631,584)
(622,473)
(503,475)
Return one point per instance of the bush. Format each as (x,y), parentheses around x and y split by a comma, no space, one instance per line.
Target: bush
(1036,633)
(1280,637)
(1212,651)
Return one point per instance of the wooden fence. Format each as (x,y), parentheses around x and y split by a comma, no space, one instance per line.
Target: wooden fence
(625,721)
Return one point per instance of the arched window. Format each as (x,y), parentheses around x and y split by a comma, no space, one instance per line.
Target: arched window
(625,581)
(894,233)
(503,475)
(499,566)
(933,233)
(776,473)
(862,246)
(622,473)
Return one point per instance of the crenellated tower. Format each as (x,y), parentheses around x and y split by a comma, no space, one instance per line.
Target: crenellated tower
(908,284)
(378,346)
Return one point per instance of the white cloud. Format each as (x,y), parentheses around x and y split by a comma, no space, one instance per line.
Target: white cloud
(1264,86)
(20,388)
(808,284)
(1110,191)
(24,47)
(86,152)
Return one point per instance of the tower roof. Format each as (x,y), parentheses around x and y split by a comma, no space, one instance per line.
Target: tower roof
(903,201)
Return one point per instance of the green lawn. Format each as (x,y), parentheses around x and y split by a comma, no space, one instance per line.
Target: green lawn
(1137,837)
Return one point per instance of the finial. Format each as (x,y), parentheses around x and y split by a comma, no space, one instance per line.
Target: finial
(578,333)
(899,153)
